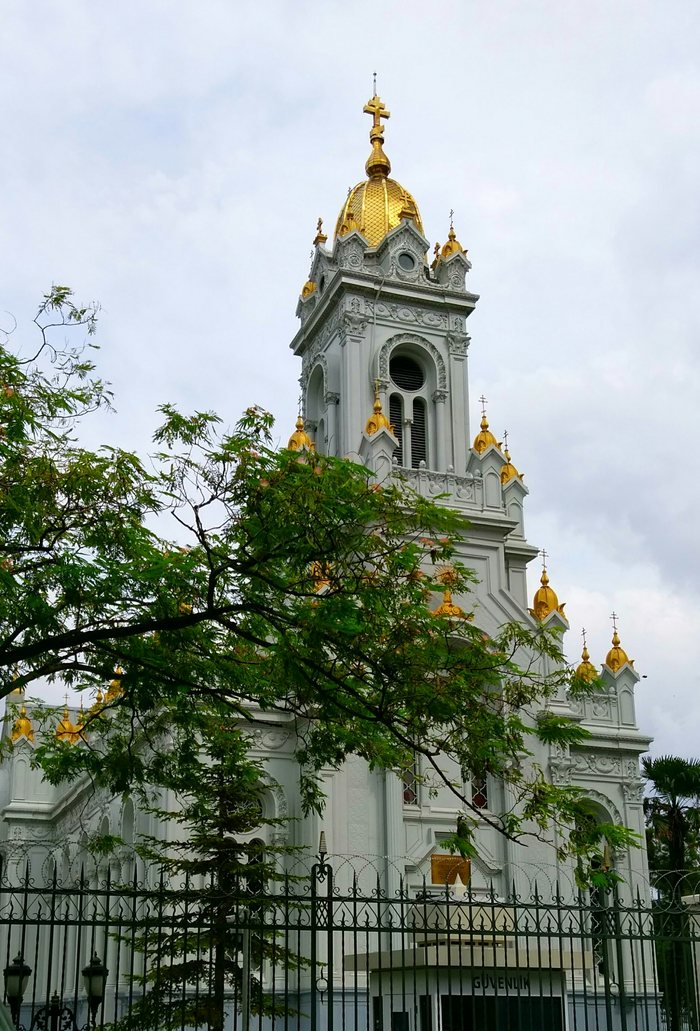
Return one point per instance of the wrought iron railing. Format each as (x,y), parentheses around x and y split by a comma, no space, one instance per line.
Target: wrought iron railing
(311,954)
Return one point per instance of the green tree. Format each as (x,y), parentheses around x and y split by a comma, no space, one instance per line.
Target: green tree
(226,571)
(672,816)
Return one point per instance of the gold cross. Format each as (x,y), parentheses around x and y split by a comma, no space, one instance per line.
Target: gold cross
(544,555)
(614,621)
(377,109)
(583,635)
(482,400)
(452,218)
(319,225)
(505,439)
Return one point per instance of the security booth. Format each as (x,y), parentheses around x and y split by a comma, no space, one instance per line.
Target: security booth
(466,968)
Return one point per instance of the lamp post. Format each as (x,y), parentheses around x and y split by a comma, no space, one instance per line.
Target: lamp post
(54,1015)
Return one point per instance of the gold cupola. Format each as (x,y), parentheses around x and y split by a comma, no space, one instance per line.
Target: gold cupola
(484,437)
(508,472)
(585,669)
(453,246)
(66,730)
(545,601)
(617,656)
(377,419)
(22,726)
(377,204)
(300,440)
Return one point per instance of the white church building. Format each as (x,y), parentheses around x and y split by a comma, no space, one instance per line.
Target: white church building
(383,345)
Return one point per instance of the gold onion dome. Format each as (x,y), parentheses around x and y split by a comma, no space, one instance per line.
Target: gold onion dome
(453,246)
(617,656)
(300,438)
(585,669)
(545,601)
(509,472)
(22,726)
(378,204)
(378,419)
(66,730)
(484,437)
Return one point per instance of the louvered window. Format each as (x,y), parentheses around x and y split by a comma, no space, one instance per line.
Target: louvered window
(396,420)
(419,444)
(406,373)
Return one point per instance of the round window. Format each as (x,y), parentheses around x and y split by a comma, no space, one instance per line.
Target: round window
(406,373)
(406,261)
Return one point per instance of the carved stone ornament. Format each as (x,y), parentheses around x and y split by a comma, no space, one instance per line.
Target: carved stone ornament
(404,313)
(458,343)
(418,341)
(354,324)
(440,396)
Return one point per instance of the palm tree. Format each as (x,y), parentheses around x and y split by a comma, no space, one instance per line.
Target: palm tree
(672,815)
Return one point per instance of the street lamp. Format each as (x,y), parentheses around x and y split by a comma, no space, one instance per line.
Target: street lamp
(16,975)
(94,979)
(54,1014)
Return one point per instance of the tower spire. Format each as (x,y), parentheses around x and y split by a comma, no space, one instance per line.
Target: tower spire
(378,163)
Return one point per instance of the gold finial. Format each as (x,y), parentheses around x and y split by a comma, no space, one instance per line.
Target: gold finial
(545,601)
(484,437)
(300,440)
(436,255)
(22,726)
(448,608)
(453,246)
(66,730)
(307,289)
(508,472)
(585,669)
(617,656)
(378,163)
(378,419)
(320,235)
(115,686)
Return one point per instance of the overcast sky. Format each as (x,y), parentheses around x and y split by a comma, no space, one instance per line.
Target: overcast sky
(170,159)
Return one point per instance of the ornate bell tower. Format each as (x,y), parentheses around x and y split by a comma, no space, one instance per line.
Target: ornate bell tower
(381,324)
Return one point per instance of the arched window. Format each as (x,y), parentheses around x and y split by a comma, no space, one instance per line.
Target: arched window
(419,442)
(396,420)
(412,376)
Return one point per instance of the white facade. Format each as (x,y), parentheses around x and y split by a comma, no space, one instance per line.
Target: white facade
(370,317)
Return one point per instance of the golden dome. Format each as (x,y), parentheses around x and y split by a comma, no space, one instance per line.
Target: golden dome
(378,204)
(545,601)
(453,246)
(66,729)
(300,438)
(509,472)
(307,289)
(22,726)
(378,419)
(617,656)
(585,669)
(484,437)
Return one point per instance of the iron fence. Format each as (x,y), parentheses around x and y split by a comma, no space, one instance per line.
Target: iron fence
(311,954)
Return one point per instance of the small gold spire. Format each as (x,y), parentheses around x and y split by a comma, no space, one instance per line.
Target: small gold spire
(617,656)
(378,163)
(585,669)
(378,419)
(453,246)
(22,726)
(436,255)
(66,730)
(320,236)
(300,440)
(508,472)
(115,686)
(484,437)
(545,601)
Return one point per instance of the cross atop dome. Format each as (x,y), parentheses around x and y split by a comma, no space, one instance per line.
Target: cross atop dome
(377,108)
